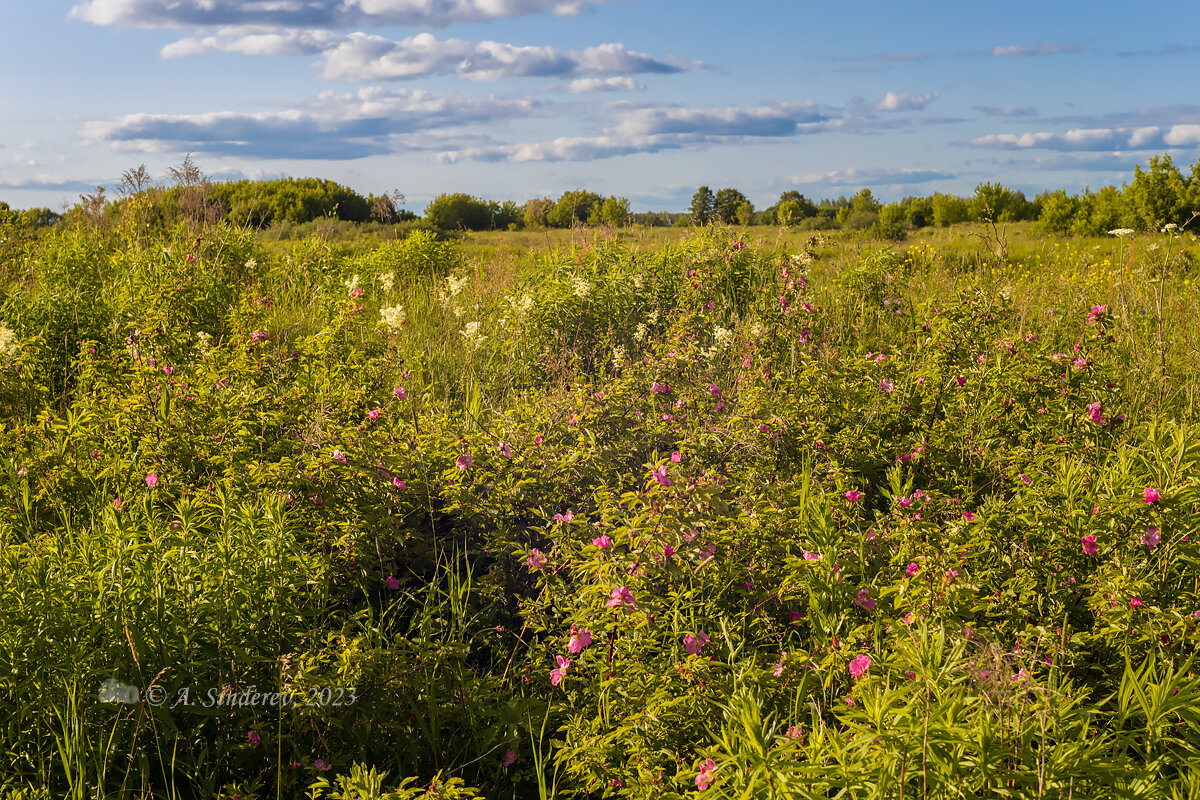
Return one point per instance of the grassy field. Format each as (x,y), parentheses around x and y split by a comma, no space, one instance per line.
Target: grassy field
(653,513)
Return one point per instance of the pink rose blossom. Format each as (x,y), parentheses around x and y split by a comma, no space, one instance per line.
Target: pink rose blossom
(536,559)
(854,495)
(579,640)
(321,765)
(556,675)
(602,542)
(392,582)
(864,600)
(675,457)
(1151,538)
(1089,545)
(660,475)
(505,450)
(912,569)
(464,461)
(1151,496)
(859,666)
(338,457)
(400,393)
(510,757)
(152,479)
(374,413)
(705,778)
(567,517)
(254,738)
(1135,602)
(621,597)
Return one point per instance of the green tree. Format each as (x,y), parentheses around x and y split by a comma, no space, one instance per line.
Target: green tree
(536,211)
(948,209)
(703,205)
(745,213)
(788,213)
(1157,195)
(1058,211)
(726,202)
(613,211)
(574,206)
(459,211)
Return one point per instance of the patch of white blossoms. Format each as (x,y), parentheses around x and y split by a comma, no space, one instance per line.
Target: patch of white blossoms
(581,287)
(8,341)
(387,280)
(203,343)
(352,284)
(472,335)
(447,296)
(394,317)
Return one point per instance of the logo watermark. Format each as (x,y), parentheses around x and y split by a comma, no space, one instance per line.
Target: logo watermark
(114,691)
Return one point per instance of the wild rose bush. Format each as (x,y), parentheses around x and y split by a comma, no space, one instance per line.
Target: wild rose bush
(718,519)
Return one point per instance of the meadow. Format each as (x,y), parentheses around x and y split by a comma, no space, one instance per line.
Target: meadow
(718,512)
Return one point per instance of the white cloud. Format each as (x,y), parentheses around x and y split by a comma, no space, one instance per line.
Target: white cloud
(1149,137)
(904,101)
(1042,49)
(779,119)
(614,84)
(334,126)
(313,13)
(869,177)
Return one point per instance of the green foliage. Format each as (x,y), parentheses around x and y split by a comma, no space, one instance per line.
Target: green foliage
(574,207)
(726,204)
(703,205)
(266,202)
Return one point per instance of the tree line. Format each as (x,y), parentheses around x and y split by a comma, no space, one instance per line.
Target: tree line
(1158,195)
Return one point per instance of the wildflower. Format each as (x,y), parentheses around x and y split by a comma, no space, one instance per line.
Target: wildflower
(1151,496)
(1136,602)
(912,569)
(968,516)
(117,504)
(567,517)
(1025,479)
(536,559)
(556,675)
(338,457)
(1151,538)
(859,666)
(1120,231)
(621,597)
(660,475)
(905,502)
(374,413)
(1089,545)
(579,639)
(886,386)
(510,756)
(393,318)
(962,381)
(400,393)
(255,739)
(864,600)
(910,618)
(399,484)
(693,644)
(1095,313)
(705,777)
(581,287)
(505,450)
(464,461)
(602,542)
(392,582)
(258,336)
(660,388)
(675,457)
(152,479)
(472,335)
(321,765)
(854,495)
(8,341)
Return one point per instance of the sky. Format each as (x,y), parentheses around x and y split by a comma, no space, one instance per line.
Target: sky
(643,99)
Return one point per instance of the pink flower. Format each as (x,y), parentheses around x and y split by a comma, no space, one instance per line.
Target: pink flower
(356,292)
(556,675)
(538,440)
(117,504)
(321,765)
(968,516)
(374,413)
(510,757)
(1135,602)
(464,461)
(864,600)
(579,640)
(854,495)
(910,618)
(621,597)
(602,542)
(887,386)
(811,556)
(338,457)
(705,777)
(399,484)
(660,475)
(392,583)
(675,457)
(912,570)
(905,502)
(567,517)
(169,370)
(694,644)
(255,739)
(1151,538)
(1080,362)
(1096,311)
(536,559)
(962,381)
(400,393)
(258,336)
(859,666)
(1089,545)
(152,479)
(1025,479)
(660,388)
(1094,413)
(716,390)
(1151,496)
(505,450)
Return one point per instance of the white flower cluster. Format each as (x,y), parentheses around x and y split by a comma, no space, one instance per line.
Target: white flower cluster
(8,341)
(393,317)
(387,280)
(1121,232)
(203,343)
(472,335)
(454,287)
(618,356)
(722,338)
(352,284)
(581,288)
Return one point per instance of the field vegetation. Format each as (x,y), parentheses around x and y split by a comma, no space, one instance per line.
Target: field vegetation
(717,512)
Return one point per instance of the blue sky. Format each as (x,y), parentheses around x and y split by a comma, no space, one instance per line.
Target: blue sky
(647,99)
